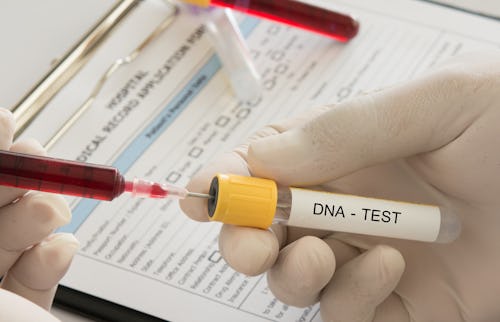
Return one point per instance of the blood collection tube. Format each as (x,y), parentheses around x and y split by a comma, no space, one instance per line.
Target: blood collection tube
(78,179)
(257,202)
(232,50)
(294,13)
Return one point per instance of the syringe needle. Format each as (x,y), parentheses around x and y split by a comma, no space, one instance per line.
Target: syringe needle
(199,195)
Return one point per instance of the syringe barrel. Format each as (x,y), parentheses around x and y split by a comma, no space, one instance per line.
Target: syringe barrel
(60,176)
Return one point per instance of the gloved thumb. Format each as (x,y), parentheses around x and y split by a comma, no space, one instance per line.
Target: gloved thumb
(419,116)
(37,272)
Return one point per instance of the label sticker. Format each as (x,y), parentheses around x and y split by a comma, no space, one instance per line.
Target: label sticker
(362,215)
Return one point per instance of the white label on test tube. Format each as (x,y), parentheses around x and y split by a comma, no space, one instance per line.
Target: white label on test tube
(354,214)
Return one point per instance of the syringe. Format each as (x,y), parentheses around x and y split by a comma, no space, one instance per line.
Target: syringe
(79,179)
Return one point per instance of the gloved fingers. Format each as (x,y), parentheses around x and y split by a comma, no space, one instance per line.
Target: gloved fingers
(344,252)
(37,272)
(7,128)
(361,285)
(17,308)
(419,116)
(248,250)
(281,232)
(27,222)
(392,309)
(286,124)
(29,146)
(302,270)
(307,259)
(294,233)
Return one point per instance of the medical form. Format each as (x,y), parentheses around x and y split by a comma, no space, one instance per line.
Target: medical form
(171,112)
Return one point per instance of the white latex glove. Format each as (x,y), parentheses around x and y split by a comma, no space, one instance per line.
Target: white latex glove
(32,259)
(433,140)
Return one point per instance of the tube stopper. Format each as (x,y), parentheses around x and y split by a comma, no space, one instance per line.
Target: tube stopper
(243,201)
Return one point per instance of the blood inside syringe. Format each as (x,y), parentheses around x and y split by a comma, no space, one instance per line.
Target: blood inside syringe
(79,179)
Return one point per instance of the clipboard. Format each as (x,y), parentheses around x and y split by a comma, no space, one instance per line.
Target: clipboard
(33,102)
(94,306)
(33,40)
(67,66)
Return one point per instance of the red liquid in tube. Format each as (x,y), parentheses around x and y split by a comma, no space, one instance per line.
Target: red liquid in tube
(328,23)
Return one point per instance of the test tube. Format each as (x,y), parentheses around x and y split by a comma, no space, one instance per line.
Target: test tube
(257,202)
(225,36)
(299,14)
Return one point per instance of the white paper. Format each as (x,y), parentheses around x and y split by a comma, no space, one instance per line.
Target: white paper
(175,113)
(362,215)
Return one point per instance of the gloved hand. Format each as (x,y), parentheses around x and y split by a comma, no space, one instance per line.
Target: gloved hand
(433,140)
(32,258)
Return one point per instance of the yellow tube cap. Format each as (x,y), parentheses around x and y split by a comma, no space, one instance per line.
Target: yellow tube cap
(243,201)
(201,3)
